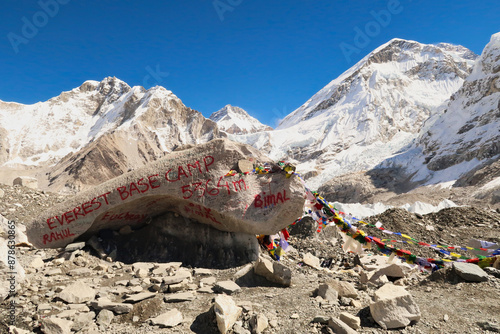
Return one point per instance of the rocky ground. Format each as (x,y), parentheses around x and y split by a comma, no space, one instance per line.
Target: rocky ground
(76,290)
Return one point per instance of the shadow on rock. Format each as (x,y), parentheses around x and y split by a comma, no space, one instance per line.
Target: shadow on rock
(171,238)
(204,323)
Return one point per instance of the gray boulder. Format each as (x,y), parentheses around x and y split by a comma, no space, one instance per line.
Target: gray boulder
(470,272)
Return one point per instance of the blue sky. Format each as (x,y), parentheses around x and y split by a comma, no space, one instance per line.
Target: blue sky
(268,57)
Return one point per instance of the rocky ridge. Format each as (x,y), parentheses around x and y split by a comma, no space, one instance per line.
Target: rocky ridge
(103,130)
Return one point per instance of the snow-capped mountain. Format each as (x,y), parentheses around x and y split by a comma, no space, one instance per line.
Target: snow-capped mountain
(464,137)
(369,112)
(99,130)
(235,120)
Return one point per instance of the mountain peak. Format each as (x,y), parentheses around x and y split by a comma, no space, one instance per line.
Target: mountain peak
(227,111)
(235,120)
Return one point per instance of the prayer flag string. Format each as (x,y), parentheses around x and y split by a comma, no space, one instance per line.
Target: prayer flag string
(325,214)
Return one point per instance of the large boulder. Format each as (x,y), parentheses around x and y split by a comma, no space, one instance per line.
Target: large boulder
(394,307)
(191,183)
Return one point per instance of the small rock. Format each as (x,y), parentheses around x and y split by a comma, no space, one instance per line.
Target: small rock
(344,301)
(80,261)
(294,316)
(258,323)
(66,314)
(74,246)
(446,317)
(54,325)
(238,329)
(321,319)
(356,303)
(226,312)
(134,282)
(203,272)
(53,272)
(227,287)
(14,329)
(102,267)
(394,307)
(273,271)
(44,307)
(179,297)
(206,289)
(80,272)
(340,327)
(245,166)
(208,281)
(178,287)
(488,326)
(117,308)
(351,320)
(326,292)
(177,278)
(168,319)
(79,307)
(496,264)
(136,289)
(139,297)
(311,260)
(141,273)
(82,319)
(104,318)
(492,271)
(77,293)
(345,289)
(470,272)
(37,262)
(142,265)
(243,271)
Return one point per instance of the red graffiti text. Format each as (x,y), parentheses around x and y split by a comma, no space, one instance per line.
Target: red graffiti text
(124,216)
(202,188)
(78,212)
(174,174)
(270,200)
(200,211)
(57,236)
(140,187)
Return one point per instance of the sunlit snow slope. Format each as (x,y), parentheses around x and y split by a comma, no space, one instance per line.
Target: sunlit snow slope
(370,112)
(465,134)
(235,120)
